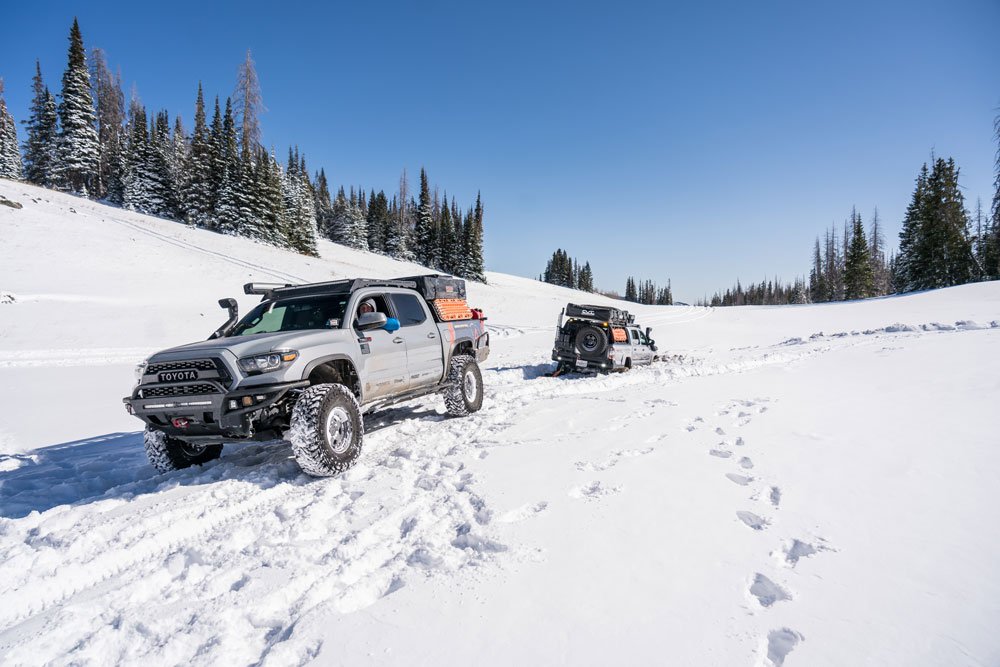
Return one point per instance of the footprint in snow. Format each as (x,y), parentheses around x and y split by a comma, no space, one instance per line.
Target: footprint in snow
(739,442)
(719,431)
(752,520)
(779,644)
(721,453)
(767,592)
(742,480)
(593,491)
(746,463)
(775,496)
(523,512)
(791,552)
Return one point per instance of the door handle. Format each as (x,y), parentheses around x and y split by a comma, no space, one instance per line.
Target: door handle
(432,335)
(397,339)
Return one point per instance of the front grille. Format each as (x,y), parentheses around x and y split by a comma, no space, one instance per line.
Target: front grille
(195,364)
(179,390)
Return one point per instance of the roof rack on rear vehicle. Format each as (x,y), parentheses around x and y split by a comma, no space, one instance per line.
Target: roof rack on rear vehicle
(614,316)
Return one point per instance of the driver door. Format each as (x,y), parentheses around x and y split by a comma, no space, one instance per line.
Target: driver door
(382,354)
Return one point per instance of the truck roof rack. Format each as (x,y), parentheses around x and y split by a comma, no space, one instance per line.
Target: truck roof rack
(271,290)
(614,316)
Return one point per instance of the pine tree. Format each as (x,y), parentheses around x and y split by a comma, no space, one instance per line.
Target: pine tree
(248,105)
(424,236)
(349,226)
(379,221)
(300,208)
(474,265)
(631,294)
(142,190)
(217,159)
(228,210)
(42,129)
(935,248)
(197,181)
(10,154)
(110,102)
(324,207)
(79,148)
(859,278)
(449,248)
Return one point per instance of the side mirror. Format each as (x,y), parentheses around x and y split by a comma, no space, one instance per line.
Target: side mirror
(649,331)
(370,321)
(652,346)
(391,324)
(234,314)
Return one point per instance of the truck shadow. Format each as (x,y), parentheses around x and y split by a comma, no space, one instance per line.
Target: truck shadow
(114,465)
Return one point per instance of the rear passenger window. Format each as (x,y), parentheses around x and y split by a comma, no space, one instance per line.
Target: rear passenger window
(409,310)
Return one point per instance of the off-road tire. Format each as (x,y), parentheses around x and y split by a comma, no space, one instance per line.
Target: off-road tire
(464,394)
(591,341)
(320,450)
(168,454)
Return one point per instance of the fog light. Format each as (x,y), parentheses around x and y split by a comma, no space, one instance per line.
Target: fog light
(260,397)
(247,401)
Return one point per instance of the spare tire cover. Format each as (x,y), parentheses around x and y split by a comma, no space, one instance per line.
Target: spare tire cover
(591,340)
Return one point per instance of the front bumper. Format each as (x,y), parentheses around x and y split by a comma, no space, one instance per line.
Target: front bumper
(207,416)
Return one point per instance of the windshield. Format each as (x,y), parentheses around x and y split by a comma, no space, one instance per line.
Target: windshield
(313,312)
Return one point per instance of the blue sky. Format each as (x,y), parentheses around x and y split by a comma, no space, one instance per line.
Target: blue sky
(701,142)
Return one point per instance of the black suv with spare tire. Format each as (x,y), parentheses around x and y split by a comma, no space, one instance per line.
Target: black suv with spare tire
(600,339)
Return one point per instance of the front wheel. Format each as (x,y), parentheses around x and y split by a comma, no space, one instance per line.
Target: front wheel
(465,387)
(326,430)
(168,454)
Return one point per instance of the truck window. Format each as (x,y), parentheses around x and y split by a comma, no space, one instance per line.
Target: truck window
(409,310)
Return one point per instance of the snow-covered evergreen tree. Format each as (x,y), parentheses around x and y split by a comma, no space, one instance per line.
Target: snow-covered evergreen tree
(42,134)
(348,225)
(143,190)
(197,176)
(379,221)
(10,153)
(324,207)
(300,209)
(229,207)
(79,149)
(859,278)
(424,232)
(474,266)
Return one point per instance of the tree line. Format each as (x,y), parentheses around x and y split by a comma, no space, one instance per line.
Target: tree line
(647,292)
(220,177)
(941,244)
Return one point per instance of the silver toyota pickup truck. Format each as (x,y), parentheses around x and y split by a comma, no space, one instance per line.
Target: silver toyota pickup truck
(306,363)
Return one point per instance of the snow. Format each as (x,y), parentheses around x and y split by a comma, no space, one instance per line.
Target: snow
(802,485)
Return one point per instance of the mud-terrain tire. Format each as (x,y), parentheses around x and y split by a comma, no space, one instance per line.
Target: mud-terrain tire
(591,341)
(326,430)
(168,454)
(464,394)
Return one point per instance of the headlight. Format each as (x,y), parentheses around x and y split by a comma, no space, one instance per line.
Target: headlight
(265,363)
(140,370)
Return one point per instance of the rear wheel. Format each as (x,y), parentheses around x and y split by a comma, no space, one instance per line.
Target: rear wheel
(167,454)
(591,341)
(326,430)
(465,387)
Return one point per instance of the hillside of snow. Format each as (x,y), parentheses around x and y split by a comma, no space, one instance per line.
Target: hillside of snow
(798,485)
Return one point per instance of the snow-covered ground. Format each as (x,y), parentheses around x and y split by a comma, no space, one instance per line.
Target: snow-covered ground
(808,485)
